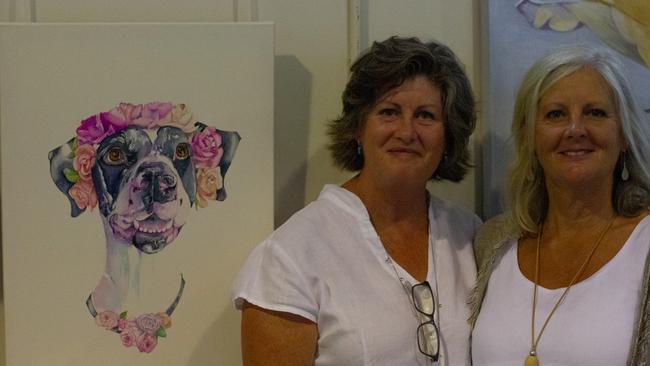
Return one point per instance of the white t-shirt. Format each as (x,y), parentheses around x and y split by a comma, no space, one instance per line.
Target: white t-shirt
(327,264)
(593,325)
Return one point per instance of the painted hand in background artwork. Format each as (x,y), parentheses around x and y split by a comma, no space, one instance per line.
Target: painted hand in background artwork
(624,25)
(144,166)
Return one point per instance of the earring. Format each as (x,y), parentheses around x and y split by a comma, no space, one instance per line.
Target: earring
(625,174)
(359,148)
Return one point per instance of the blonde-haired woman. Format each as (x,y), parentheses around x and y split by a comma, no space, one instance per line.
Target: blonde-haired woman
(563,277)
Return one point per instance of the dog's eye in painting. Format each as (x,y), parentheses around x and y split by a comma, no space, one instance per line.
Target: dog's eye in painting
(144,166)
(182,150)
(115,156)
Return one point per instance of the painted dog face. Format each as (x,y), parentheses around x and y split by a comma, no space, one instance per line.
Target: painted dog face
(144,176)
(148,185)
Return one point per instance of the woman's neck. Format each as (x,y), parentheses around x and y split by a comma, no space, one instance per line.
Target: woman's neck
(572,210)
(390,202)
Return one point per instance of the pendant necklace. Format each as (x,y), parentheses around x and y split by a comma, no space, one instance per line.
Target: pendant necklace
(531,358)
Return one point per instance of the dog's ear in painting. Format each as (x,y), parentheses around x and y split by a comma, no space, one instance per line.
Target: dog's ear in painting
(229,141)
(61,160)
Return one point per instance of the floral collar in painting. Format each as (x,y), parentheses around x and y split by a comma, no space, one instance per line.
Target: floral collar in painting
(141,331)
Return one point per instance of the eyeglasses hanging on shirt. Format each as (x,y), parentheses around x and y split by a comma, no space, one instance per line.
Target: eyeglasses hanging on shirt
(427,331)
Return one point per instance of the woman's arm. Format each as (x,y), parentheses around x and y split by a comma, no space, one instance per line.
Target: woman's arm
(276,338)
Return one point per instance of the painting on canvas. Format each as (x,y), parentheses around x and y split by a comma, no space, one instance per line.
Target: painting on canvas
(136,169)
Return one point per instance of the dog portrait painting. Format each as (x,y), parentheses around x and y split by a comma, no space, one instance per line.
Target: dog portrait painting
(129,200)
(141,168)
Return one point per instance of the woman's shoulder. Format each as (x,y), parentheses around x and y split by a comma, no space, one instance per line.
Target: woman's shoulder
(317,224)
(302,225)
(493,234)
(498,226)
(329,206)
(295,246)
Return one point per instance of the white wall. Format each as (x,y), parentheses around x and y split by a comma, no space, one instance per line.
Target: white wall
(133,11)
(311,43)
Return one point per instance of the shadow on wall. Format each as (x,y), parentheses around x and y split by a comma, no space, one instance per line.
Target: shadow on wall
(292,93)
(328,172)
(497,155)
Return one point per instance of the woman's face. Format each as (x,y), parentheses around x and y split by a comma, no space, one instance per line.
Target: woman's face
(578,137)
(403,137)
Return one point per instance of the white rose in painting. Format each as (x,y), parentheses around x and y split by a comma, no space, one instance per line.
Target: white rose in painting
(623,25)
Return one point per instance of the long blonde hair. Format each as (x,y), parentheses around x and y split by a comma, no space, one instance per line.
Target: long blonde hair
(526,186)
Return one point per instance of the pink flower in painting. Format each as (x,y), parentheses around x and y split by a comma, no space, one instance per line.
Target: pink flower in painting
(84,160)
(129,336)
(124,113)
(148,323)
(123,323)
(154,114)
(146,342)
(106,319)
(96,127)
(182,118)
(206,148)
(142,331)
(83,194)
(208,181)
(165,320)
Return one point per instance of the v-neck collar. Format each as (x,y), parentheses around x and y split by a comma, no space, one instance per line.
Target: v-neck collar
(353,205)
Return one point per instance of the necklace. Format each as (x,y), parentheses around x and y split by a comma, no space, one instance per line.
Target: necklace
(531,359)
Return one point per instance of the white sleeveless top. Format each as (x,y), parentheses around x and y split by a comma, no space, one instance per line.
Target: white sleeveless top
(593,325)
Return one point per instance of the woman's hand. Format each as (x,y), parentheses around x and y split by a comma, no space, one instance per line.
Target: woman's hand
(276,338)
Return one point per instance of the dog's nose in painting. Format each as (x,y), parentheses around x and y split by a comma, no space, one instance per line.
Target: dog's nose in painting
(157,184)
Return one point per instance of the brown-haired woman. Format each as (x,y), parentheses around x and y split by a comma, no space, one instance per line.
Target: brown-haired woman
(376,271)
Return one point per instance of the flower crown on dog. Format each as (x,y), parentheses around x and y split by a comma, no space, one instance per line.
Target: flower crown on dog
(205,144)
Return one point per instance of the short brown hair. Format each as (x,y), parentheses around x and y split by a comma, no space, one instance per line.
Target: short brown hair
(387,65)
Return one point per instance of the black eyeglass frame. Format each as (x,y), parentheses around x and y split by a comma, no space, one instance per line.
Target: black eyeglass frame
(426,284)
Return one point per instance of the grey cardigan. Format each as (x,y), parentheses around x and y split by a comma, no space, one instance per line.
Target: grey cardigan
(492,240)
